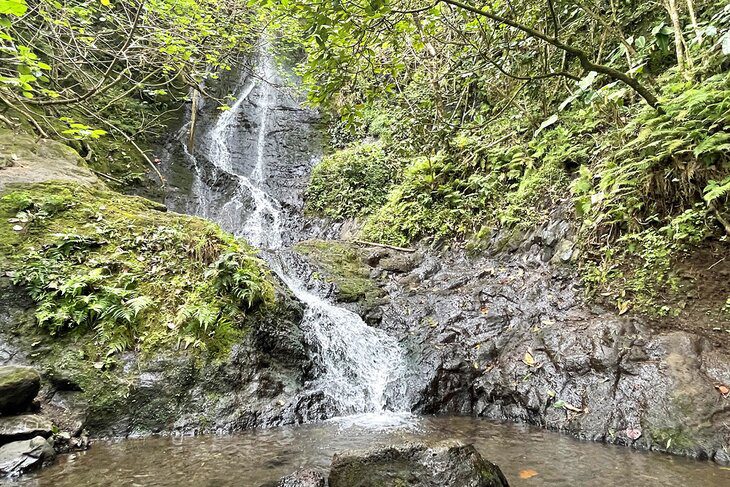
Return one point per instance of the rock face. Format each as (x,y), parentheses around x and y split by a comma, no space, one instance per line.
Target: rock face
(511,337)
(258,384)
(18,388)
(22,456)
(449,464)
(24,159)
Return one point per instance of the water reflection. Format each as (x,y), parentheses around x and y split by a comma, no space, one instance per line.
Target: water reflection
(255,457)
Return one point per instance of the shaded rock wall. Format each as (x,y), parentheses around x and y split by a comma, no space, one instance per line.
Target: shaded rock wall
(170,391)
(508,335)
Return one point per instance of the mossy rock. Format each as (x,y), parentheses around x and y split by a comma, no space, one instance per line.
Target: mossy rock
(142,278)
(445,464)
(18,387)
(344,265)
(29,160)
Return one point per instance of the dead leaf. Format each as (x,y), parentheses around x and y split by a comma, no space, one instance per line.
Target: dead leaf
(528,359)
(633,433)
(570,407)
(723,389)
(527,473)
(623,307)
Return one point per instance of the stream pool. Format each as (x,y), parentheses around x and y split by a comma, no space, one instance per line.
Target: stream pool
(254,457)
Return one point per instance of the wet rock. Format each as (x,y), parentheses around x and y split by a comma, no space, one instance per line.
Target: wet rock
(23,427)
(18,388)
(470,321)
(300,478)
(22,456)
(447,464)
(399,262)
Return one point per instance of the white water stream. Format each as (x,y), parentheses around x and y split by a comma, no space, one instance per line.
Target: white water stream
(361,366)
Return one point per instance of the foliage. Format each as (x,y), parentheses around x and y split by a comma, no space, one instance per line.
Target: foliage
(352,181)
(108,76)
(499,125)
(95,261)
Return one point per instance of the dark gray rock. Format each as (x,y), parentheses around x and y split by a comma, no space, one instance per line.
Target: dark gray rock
(300,478)
(18,388)
(22,456)
(399,262)
(24,427)
(447,464)
(469,325)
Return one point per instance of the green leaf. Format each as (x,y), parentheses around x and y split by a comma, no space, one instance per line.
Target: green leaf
(13,7)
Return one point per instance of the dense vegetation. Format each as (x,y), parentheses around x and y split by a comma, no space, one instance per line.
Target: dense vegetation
(109,76)
(504,112)
(450,120)
(121,271)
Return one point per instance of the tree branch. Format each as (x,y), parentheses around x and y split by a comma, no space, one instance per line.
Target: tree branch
(581,55)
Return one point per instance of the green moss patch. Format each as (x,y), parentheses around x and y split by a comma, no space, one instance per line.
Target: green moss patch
(343,265)
(352,181)
(114,273)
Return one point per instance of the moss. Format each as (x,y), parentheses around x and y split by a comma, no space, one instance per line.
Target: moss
(352,181)
(535,195)
(77,249)
(673,438)
(345,267)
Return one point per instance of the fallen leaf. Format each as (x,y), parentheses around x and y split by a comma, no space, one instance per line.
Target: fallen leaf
(528,359)
(633,433)
(723,389)
(527,474)
(570,407)
(17,228)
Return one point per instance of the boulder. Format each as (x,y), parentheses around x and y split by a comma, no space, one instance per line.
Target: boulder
(18,388)
(300,478)
(446,464)
(21,456)
(399,262)
(23,427)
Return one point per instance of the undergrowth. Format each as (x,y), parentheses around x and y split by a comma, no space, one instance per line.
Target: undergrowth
(647,186)
(351,182)
(122,271)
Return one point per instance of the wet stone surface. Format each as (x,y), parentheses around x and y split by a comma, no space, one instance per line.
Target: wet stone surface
(510,337)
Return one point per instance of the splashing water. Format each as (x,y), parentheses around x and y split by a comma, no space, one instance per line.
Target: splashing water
(360,365)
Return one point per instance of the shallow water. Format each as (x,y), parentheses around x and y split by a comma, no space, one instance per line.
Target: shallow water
(254,457)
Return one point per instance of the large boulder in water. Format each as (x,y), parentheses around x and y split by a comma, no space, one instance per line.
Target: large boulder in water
(446,464)
(18,388)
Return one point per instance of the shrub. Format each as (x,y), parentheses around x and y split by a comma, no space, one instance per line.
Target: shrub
(352,181)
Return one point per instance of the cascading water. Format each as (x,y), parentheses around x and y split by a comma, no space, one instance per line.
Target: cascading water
(359,366)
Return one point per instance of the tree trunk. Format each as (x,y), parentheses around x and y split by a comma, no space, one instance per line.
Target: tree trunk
(679,44)
(693,19)
(193,117)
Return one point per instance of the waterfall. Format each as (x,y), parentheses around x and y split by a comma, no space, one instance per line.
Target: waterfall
(360,366)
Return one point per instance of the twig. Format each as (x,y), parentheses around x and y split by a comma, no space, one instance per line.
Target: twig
(27,115)
(392,247)
(110,178)
(713,265)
